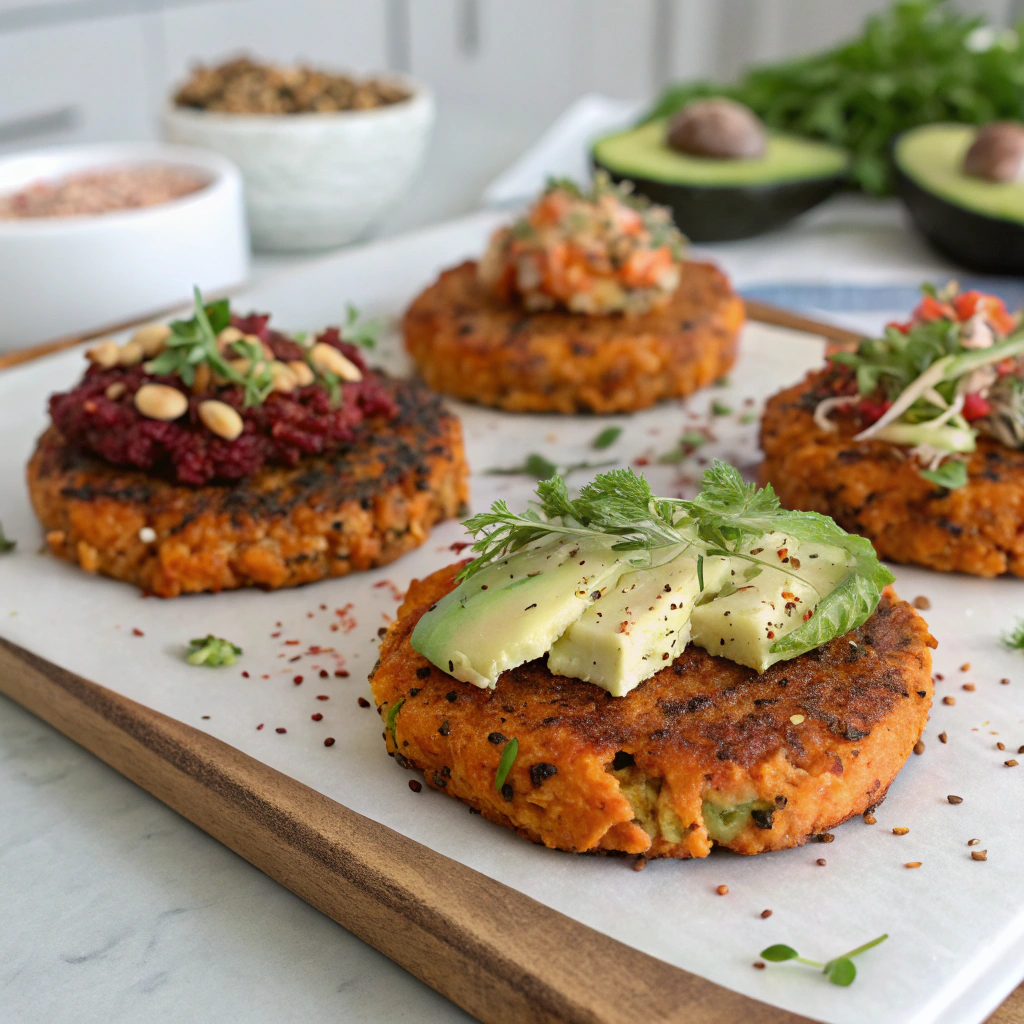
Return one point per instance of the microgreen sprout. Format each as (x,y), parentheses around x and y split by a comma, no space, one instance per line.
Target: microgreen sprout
(1014,639)
(840,971)
(392,718)
(212,651)
(720,408)
(357,331)
(688,443)
(6,545)
(606,438)
(508,757)
(541,468)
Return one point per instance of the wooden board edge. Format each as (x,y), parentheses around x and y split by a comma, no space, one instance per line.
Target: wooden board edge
(500,955)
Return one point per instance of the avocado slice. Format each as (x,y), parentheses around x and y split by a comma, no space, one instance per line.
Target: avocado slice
(976,223)
(717,200)
(513,610)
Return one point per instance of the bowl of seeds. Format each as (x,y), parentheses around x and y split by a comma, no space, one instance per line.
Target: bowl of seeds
(324,156)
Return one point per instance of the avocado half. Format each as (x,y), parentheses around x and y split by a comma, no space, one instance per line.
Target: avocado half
(978,224)
(721,200)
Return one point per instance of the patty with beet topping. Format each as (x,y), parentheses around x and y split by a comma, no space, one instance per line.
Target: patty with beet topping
(218,453)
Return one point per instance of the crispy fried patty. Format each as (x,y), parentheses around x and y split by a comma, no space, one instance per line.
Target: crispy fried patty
(871,488)
(346,510)
(807,744)
(468,344)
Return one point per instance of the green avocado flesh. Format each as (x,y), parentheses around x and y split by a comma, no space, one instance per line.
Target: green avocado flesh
(932,157)
(643,153)
(602,620)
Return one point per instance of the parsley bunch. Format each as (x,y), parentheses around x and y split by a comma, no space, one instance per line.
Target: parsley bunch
(918,62)
(726,515)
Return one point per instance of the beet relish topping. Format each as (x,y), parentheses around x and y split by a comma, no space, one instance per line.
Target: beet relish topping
(226,429)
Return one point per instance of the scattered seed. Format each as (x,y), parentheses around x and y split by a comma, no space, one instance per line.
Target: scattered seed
(329,742)
(415,785)
(969,687)
(147,535)
(722,890)
(912,864)
(820,862)
(939,676)
(1020,750)
(943,738)
(1000,745)
(280,728)
(796,719)
(759,964)
(826,837)
(900,831)
(363,702)
(973,842)
(955,799)
(297,680)
(765,914)
(1012,763)
(317,717)
(979,854)
(640,863)
(965,667)
(922,603)
(919,747)
(949,700)
(1005,682)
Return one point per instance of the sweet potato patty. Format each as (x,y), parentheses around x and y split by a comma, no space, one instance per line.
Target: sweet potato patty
(805,745)
(870,488)
(472,346)
(336,513)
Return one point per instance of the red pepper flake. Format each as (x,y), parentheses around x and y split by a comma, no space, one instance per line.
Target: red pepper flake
(322,696)
(324,674)
(291,643)
(297,680)
(265,676)
(317,717)
(759,964)
(341,673)
(782,553)
(415,785)
(323,607)
(329,742)
(459,546)
(245,674)
(363,702)
(280,728)
(771,635)
(642,461)
(274,636)
(808,614)
(137,632)
(258,727)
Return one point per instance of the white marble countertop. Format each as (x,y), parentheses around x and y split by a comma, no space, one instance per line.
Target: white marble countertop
(117,910)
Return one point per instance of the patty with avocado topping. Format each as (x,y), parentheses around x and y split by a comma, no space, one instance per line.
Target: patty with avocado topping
(705,752)
(622,671)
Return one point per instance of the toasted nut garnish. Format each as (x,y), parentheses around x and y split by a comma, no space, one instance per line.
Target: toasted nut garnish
(160,402)
(303,372)
(152,337)
(327,358)
(243,366)
(203,379)
(228,336)
(106,353)
(131,354)
(284,379)
(115,390)
(220,419)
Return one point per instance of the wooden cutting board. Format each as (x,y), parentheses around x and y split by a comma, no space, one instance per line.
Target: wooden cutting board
(500,955)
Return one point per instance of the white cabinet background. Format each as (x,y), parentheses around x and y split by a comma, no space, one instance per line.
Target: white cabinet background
(87,70)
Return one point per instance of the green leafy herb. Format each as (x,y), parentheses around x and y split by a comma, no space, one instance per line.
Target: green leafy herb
(393,716)
(690,441)
(508,757)
(194,341)
(720,408)
(726,514)
(917,62)
(212,651)
(840,971)
(6,545)
(700,573)
(748,417)
(607,438)
(951,474)
(357,331)
(541,468)
(1014,639)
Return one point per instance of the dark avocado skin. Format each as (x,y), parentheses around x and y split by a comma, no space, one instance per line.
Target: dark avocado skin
(989,245)
(705,213)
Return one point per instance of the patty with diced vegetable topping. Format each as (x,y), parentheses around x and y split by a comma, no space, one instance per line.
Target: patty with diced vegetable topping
(468,343)
(705,752)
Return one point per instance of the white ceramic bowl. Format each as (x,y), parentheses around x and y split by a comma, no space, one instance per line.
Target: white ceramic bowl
(61,275)
(315,180)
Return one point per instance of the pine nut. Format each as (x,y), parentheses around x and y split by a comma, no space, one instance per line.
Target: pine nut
(203,379)
(221,419)
(284,379)
(152,337)
(131,354)
(106,354)
(303,374)
(243,366)
(115,390)
(228,337)
(327,357)
(160,402)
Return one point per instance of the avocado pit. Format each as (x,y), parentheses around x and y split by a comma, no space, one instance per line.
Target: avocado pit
(718,128)
(997,152)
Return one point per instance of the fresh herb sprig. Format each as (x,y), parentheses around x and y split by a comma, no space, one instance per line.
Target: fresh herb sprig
(392,719)
(212,651)
(1014,638)
(840,971)
(357,330)
(6,544)
(620,507)
(542,468)
(508,758)
(192,342)
(606,438)
(918,62)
